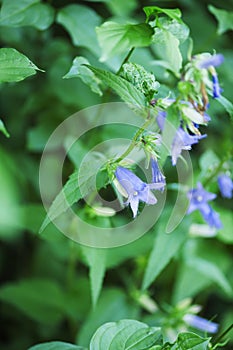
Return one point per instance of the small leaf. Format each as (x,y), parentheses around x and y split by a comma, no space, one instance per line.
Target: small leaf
(80,22)
(123,88)
(14,66)
(56,345)
(3,129)
(125,335)
(154,10)
(224,18)
(165,247)
(16,13)
(189,341)
(226,104)
(96,259)
(78,186)
(78,70)
(115,38)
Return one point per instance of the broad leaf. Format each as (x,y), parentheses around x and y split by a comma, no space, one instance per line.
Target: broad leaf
(127,92)
(189,341)
(166,46)
(125,335)
(3,129)
(14,66)
(96,259)
(33,13)
(115,38)
(154,11)
(56,345)
(78,70)
(77,187)
(224,18)
(80,22)
(165,247)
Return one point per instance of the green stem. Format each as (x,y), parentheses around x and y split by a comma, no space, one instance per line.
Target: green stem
(134,141)
(125,60)
(223,334)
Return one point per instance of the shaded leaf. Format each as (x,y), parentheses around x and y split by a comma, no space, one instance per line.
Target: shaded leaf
(224,18)
(3,129)
(56,345)
(189,341)
(14,66)
(115,38)
(226,104)
(16,13)
(154,10)
(80,22)
(78,70)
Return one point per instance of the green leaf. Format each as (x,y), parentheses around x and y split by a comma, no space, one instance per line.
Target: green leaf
(123,88)
(164,249)
(80,22)
(41,300)
(115,38)
(3,129)
(154,11)
(14,66)
(226,104)
(78,70)
(224,18)
(166,46)
(125,335)
(188,341)
(208,161)
(96,259)
(78,186)
(56,345)
(16,13)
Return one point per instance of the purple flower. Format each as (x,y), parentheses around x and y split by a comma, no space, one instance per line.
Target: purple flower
(211,61)
(225,185)
(216,87)
(201,323)
(183,141)
(136,189)
(157,175)
(199,199)
(161,119)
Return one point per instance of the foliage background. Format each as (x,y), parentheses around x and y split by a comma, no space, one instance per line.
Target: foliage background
(45,289)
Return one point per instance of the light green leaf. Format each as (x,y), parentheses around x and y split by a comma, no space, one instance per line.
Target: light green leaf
(96,259)
(125,335)
(208,161)
(16,13)
(154,10)
(166,46)
(165,247)
(56,345)
(189,341)
(80,22)
(121,8)
(3,129)
(226,104)
(224,18)
(78,70)
(14,66)
(179,30)
(123,88)
(115,38)
(41,300)
(78,186)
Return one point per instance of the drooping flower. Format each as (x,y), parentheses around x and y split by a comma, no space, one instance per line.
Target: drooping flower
(183,141)
(157,175)
(207,60)
(136,189)
(225,185)
(199,199)
(201,323)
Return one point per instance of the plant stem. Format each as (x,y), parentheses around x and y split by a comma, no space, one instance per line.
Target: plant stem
(134,141)
(223,334)
(125,60)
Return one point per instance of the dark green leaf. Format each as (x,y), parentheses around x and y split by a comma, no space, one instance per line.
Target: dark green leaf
(14,66)
(189,341)
(115,38)
(78,70)
(56,345)
(16,13)
(224,18)
(154,10)
(3,129)
(80,22)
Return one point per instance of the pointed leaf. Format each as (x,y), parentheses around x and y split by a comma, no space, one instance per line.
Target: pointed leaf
(224,18)
(14,66)
(78,70)
(16,13)
(3,129)
(189,341)
(115,38)
(226,104)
